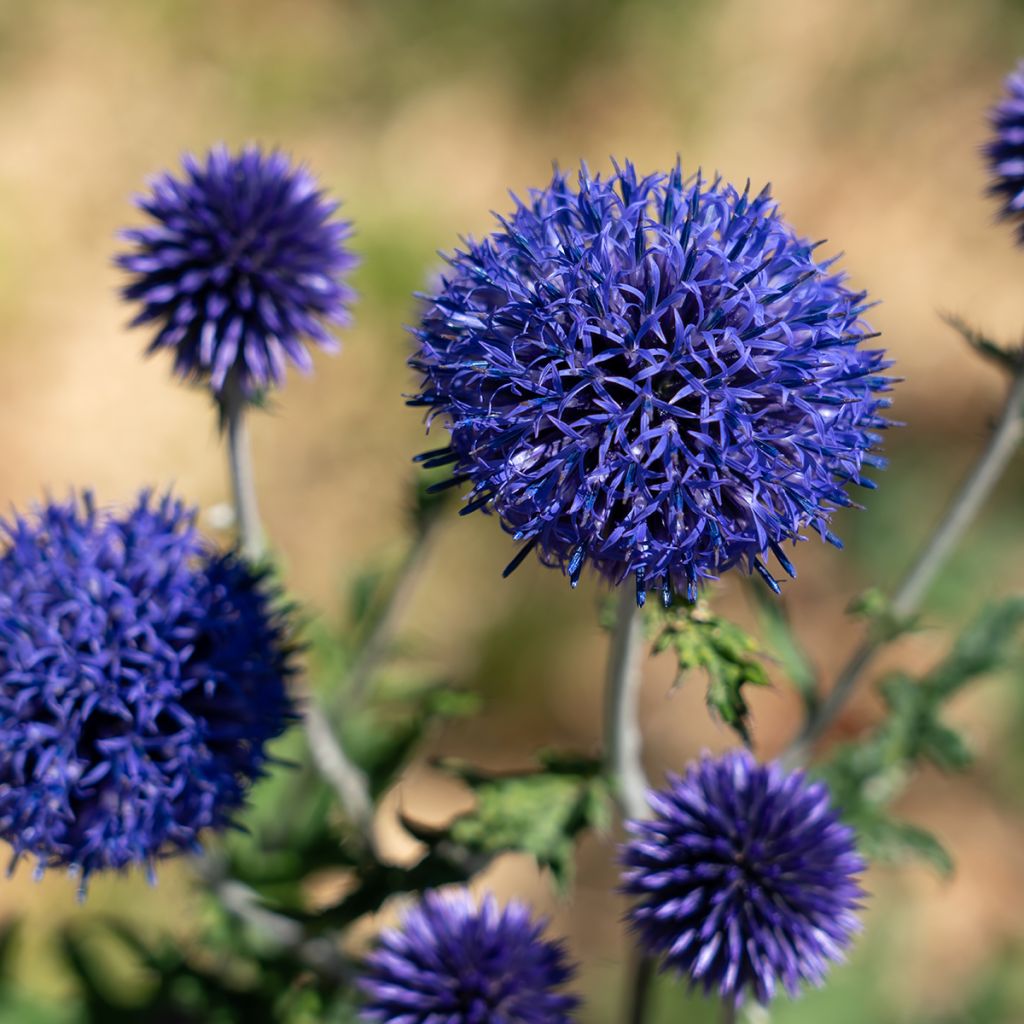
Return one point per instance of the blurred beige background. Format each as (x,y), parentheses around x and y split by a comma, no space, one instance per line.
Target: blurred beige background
(866,115)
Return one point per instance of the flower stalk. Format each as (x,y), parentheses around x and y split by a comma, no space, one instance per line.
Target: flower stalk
(906,599)
(233,409)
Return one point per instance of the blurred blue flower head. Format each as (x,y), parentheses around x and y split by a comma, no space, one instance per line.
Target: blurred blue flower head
(457,962)
(744,879)
(1005,150)
(141,677)
(245,260)
(653,376)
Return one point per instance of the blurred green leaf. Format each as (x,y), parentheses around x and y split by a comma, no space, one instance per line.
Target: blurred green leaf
(866,775)
(541,812)
(698,639)
(1008,359)
(782,643)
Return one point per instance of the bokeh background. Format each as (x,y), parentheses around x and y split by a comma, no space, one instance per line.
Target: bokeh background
(867,117)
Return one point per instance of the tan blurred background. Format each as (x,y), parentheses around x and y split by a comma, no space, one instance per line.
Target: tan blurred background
(866,115)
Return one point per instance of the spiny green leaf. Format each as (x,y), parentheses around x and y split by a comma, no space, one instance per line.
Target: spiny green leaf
(728,655)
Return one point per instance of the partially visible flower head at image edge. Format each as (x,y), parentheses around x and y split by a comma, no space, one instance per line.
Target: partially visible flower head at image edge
(1004,151)
(654,376)
(242,262)
(743,880)
(455,960)
(142,675)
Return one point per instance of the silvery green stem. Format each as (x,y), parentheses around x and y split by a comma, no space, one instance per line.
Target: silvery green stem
(907,598)
(623,759)
(623,741)
(729,1015)
(247,514)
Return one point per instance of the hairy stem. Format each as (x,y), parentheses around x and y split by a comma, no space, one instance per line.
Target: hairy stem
(623,742)
(243,489)
(907,597)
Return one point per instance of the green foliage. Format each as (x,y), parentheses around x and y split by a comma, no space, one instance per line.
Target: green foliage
(783,645)
(731,658)
(866,775)
(1007,359)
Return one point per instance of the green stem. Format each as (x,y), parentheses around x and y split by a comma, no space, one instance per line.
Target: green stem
(623,741)
(907,598)
(729,1012)
(243,489)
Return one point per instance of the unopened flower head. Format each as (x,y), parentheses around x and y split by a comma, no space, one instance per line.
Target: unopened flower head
(462,963)
(141,677)
(744,880)
(244,261)
(653,376)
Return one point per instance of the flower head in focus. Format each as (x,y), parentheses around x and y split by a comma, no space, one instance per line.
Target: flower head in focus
(141,677)
(1005,150)
(243,262)
(744,880)
(653,376)
(455,961)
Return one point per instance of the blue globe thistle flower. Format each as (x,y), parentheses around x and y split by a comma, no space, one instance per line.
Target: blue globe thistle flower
(652,376)
(141,676)
(460,963)
(744,879)
(1005,150)
(244,262)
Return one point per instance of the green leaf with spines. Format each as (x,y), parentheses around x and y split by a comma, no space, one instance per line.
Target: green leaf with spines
(728,655)
(1007,359)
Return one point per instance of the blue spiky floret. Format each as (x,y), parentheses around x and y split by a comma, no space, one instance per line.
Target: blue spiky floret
(1004,151)
(244,262)
(460,962)
(141,676)
(652,376)
(743,880)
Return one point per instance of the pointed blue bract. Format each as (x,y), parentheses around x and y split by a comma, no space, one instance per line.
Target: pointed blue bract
(743,880)
(652,376)
(244,263)
(1005,150)
(141,676)
(457,962)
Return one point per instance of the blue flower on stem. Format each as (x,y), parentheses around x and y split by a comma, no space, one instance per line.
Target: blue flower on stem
(245,261)
(744,879)
(654,376)
(141,677)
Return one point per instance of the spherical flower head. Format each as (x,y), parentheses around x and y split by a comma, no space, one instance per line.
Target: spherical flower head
(743,879)
(245,261)
(141,676)
(653,376)
(454,961)
(1005,150)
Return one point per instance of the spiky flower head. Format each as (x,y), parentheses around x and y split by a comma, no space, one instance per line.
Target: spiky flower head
(744,879)
(653,376)
(1005,150)
(141,676)
(455,961)
(244,262)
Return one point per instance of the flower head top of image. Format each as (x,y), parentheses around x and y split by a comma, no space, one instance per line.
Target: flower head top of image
(461,962)
(141,676)
(743,880)
(654,376)
(1005,151)
(243,261)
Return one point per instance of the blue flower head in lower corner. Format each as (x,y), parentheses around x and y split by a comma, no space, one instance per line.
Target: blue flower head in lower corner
(653,376)
(142,675)
(243,261)
(460,962)
(1004,151)
(744,880)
